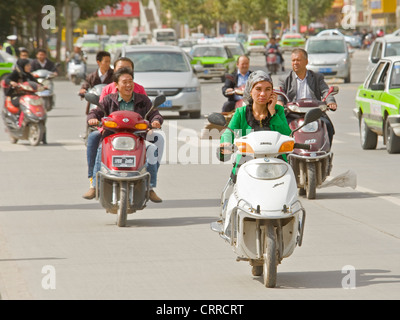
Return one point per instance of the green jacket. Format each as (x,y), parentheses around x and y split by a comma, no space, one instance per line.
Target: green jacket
(239,124)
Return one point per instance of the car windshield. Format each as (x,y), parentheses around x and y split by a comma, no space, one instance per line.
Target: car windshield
(236,50)
(326,46)
(158,61)
(209,52)
(392,49)
(395,78)
(165,36)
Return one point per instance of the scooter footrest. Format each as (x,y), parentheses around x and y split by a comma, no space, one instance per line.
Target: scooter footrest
(217,226)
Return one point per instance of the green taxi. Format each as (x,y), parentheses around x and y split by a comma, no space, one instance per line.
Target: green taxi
(256,43)
(377,106)
(291,41)
(216,60)
(7,63)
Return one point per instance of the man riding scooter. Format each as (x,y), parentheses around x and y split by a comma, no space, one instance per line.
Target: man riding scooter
(236,80)
(127,99)
(302,83)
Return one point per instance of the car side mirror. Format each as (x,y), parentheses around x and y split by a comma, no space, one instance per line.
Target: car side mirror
(378,86)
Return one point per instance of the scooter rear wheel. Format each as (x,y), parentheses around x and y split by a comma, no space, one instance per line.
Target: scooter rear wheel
(123,205)
(270,257)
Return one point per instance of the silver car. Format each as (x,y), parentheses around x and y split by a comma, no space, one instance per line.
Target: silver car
(167,70)
(330,56)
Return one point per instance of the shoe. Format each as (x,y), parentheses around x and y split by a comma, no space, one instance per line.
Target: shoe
(90,194)
(154,197)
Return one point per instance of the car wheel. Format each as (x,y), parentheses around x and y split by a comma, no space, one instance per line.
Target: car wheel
(368,138)
(392,141)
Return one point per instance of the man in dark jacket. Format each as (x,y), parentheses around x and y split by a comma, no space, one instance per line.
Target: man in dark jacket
(302,83)
(104,74)
(127,99)
(235,80)
(41,62)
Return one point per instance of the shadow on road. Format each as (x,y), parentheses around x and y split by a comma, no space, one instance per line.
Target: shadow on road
(332,279)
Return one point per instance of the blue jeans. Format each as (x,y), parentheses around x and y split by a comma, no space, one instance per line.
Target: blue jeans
(93,142)
(154,152)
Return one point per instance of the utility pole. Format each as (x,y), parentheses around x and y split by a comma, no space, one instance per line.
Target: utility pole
(296,15)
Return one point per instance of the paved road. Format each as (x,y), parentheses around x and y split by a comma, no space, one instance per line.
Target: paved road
(56,245)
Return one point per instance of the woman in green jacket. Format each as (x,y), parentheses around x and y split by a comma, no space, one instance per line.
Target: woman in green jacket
(260,112)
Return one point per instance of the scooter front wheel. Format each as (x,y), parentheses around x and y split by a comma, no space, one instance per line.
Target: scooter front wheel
(36,131)
(311,183)
(270,257)
(123,205)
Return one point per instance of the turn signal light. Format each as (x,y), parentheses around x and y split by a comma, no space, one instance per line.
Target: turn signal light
(286,146)
(110,124)
(243,147)
(141,126)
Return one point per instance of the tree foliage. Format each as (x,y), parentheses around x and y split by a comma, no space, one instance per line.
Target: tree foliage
(250,12)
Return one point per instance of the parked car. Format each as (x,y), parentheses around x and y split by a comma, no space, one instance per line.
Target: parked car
(386,46)
(216,59)
(7,64)
(330,56)
(256,43)
(167,70)
(377,106)
(291,41)
(353,41)
(236,48)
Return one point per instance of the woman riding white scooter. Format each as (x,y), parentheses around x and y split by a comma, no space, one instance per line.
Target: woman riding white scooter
(260,112)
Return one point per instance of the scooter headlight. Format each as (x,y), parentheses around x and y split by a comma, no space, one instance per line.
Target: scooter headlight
(123,143)
(267,171)
(311,127)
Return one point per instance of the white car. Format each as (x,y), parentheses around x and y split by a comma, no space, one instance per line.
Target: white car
(167,70)
(353,41)
(330,56)
(382,47)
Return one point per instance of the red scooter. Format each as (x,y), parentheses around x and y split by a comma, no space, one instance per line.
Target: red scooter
(311,167)
(28,122)
(272,60)
(123,183)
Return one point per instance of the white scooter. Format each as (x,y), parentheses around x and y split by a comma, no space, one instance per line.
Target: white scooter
(76,71)
(261,216)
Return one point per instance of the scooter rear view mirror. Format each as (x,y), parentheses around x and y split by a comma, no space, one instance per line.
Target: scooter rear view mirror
(92,98)
(217,119)
(159,100)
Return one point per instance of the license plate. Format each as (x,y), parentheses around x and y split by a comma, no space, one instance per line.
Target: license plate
(325,70)
(205,71)
(123,161)
(166,104)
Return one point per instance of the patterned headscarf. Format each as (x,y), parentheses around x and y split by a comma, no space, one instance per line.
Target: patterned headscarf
(254,77)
